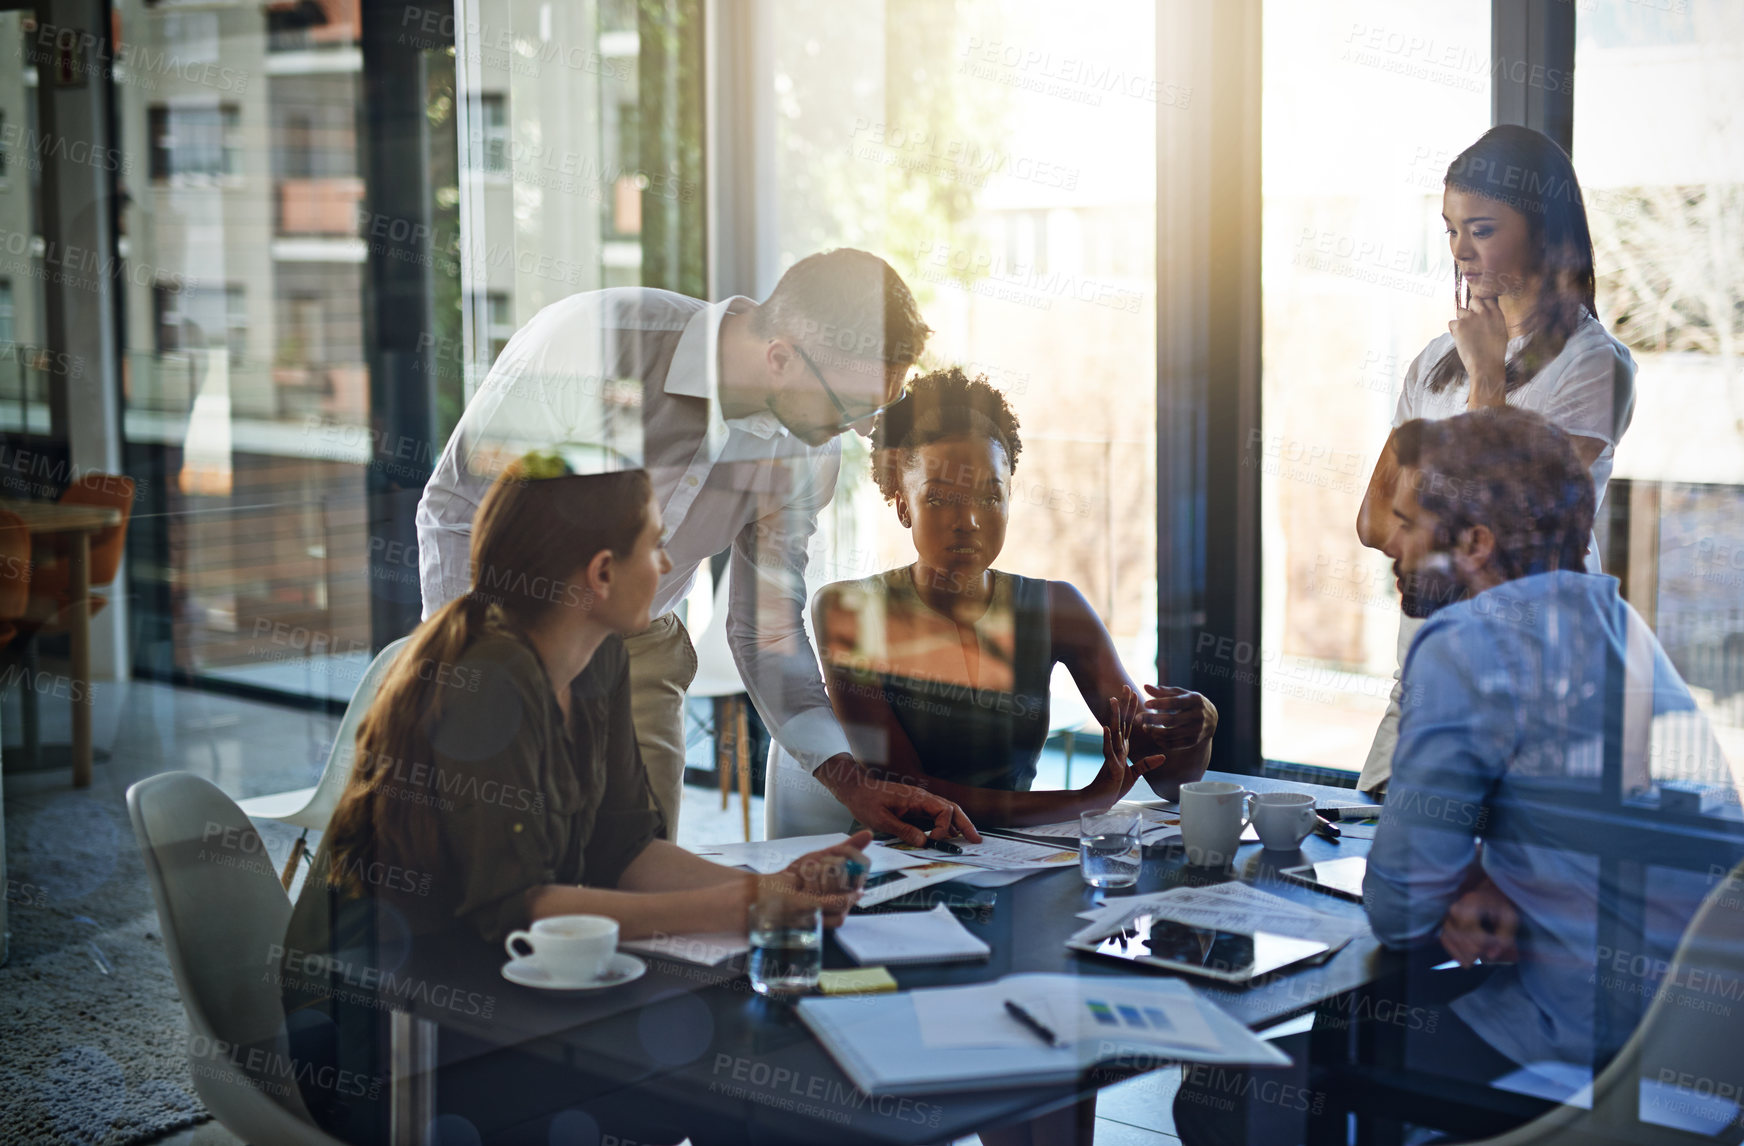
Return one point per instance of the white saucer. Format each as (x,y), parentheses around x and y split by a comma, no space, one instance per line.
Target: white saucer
(620,968)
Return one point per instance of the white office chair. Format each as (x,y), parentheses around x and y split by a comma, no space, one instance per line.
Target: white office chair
(311,808)
(222,912)
(717,678)
(1675,1039)
(795,803)
(1068,715)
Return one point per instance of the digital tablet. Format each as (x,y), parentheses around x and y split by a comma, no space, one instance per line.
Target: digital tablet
(1227,956)
(1340,877)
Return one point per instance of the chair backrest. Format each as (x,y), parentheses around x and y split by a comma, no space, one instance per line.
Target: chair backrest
(14,565)
(717,674)
(795,803)
(223,916)
(116,492)
(219,901)
(344,752)
(1067,711)
(1685,1051)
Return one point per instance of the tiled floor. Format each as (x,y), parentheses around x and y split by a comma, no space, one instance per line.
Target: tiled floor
(248,748)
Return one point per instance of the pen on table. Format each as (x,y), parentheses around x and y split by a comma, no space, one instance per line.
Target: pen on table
(1030,1021)
(1325,828)
(1349,812)
(945,846)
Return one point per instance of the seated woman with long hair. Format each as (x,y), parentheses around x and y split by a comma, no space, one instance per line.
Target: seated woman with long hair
(939,669)
(498,782)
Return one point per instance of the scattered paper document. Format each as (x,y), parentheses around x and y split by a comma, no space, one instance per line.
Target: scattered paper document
(1002,853)
(909,937)
(1232,906)
(766,857)
(912,879)
(1156,823)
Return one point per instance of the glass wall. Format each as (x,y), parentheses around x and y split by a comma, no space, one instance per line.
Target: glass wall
(1365,104)
(244,367)
(26,365)
(256,251)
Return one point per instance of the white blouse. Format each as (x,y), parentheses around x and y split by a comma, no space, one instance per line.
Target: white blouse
(1588,389)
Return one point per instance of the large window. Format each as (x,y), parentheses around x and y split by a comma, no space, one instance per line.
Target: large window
(1365,103)
(245,372)
(1002,158)
(1664,184)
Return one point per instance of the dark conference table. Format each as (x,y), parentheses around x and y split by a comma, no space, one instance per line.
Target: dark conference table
(690,1038)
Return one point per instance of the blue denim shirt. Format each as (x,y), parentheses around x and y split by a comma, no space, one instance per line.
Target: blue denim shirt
(1504,704)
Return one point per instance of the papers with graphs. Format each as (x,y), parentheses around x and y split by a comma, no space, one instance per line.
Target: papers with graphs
(900,883)
(1001,853)
(1158,824)
(1232,906)
(1161,1013)
(766,857)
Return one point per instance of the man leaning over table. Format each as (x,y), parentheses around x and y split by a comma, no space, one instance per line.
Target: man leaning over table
(1505,701)
(735,409)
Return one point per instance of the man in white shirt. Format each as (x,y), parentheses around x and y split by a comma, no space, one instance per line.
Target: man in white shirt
(735,409)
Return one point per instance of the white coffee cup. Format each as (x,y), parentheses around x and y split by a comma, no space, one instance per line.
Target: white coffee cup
(1283,819)
(1213,813)
(573,948)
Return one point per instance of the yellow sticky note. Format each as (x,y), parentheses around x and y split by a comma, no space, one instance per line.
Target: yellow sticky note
(858,981)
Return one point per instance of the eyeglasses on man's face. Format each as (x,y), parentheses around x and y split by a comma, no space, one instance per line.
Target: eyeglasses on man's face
(848,418)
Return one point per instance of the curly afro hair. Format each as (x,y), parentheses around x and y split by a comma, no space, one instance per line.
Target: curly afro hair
(944,404)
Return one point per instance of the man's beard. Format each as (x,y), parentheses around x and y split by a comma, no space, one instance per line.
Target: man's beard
(1431,587)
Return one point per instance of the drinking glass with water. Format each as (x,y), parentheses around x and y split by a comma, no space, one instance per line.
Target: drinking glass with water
(787,946)
(1108,848)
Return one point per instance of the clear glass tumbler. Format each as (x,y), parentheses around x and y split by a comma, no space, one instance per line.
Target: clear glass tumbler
(1109,854)
(787,947)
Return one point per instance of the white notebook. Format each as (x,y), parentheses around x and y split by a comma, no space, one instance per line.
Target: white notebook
(953,1039)
(933,936)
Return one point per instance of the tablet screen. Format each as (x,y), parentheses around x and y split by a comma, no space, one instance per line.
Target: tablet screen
(1228,955)
(1341,877)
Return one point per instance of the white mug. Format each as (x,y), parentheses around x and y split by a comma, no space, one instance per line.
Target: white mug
(574,948)
(1283,819)
(1213,813)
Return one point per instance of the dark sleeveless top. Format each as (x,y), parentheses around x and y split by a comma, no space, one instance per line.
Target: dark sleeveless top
(981,738)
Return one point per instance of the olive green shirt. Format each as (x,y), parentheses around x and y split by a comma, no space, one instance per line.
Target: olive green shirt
(518,800)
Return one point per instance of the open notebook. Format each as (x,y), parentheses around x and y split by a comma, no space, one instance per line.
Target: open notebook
(945,1039)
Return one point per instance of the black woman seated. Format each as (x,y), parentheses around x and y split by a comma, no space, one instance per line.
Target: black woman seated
(939,670)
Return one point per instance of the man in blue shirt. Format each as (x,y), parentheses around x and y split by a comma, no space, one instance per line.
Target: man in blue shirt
(1508,686)
(1506,691)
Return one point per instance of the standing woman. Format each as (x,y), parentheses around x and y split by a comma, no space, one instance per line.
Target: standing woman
(1525,333)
